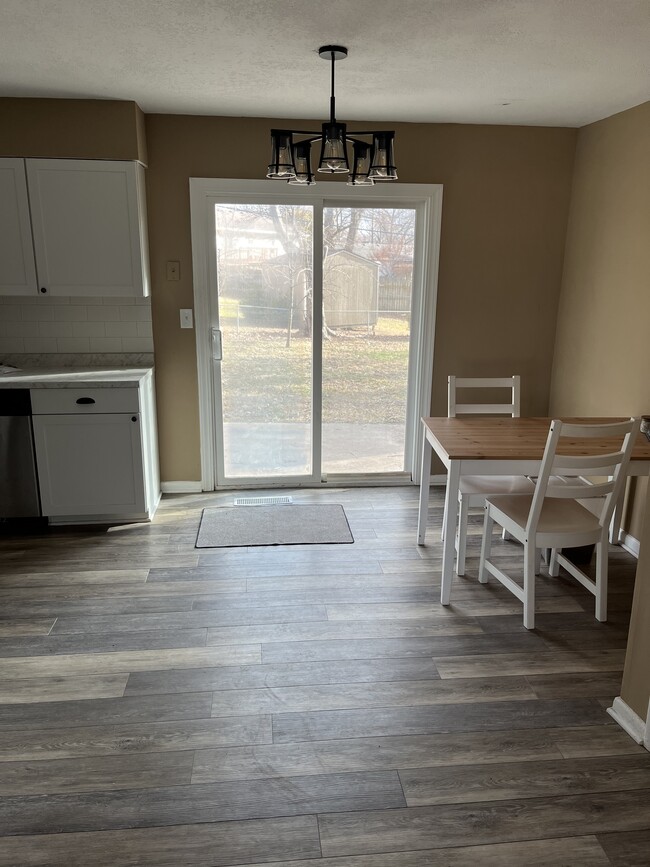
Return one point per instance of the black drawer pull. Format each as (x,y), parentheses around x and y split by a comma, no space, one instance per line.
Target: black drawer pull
(86,400)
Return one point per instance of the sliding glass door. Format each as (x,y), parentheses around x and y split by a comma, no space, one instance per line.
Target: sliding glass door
(314,338)
(264,344)
(367,302)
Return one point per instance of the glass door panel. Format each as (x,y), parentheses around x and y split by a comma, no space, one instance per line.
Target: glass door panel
(368,262)
(264,279)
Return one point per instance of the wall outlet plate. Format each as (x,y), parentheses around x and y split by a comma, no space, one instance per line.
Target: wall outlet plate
(187,318)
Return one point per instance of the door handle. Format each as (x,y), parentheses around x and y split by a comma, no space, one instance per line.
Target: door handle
(217,344)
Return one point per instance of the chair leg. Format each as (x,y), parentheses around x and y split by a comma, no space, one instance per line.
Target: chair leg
(461,539)
(486,546)
(601,579)
(444,522)
(505,535)
(553,565)
(529,585)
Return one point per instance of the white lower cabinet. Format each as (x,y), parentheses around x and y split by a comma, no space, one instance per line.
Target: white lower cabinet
(96,464)
(89,465)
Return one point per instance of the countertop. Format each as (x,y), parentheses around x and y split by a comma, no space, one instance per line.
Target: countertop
(128,377)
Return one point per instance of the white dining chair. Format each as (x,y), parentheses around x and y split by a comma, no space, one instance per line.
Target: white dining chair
(566,515)
(474,489)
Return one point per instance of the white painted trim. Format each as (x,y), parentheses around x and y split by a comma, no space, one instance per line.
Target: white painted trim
(631,545)
(425,198)
(630,721)
(439,479)
(181,487)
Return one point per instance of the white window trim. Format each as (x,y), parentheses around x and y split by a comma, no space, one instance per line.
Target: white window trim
(427,197)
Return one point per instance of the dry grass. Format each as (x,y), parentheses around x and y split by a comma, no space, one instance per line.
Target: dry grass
(364,375)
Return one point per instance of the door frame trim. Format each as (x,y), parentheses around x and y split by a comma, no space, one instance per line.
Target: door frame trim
(204,192)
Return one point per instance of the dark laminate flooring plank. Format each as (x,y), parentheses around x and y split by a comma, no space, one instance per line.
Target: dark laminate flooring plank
(67,665)
(14,627)
(139,590)
(546,662)
(104,642)
(96,774)
(55,689)
(432,613)
(226,615)
(114,711)
(193,845)
(210,802)
(317,595)
(58,579)
(567,852)
(350,648)
(366,629)
(590,685)
(136,738)
(94,606)
(603,740)
(128,560)
(524,780)
(341,582)
(486,716)
(479,824)
(611,639)
(373,754)
(554,624)
(289,674)
(631,849)
(362,567)
(369,695)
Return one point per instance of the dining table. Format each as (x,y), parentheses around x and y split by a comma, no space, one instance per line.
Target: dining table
(488,445)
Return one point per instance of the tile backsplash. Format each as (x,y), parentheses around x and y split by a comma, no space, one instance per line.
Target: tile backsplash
(68,325)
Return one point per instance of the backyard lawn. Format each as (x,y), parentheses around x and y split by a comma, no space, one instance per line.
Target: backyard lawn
(364,374)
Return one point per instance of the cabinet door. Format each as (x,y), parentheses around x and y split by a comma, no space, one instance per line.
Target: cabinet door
(88,225)
(17,270)
(89,465)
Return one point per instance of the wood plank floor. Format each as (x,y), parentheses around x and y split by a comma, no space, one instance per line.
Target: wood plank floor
(163,705)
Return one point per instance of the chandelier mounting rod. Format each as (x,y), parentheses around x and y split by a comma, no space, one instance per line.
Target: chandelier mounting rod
(332,53)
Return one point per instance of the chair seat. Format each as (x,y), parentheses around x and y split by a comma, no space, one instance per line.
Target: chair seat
(486,485)
(565,521)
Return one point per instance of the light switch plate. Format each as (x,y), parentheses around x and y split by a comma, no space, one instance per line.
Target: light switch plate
(187,318)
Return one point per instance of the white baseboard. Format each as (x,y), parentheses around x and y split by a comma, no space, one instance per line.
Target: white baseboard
(630,721)
(440,479)
(631,545)
(181,487)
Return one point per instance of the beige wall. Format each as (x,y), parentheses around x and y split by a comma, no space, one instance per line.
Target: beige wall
(601,351)
(505,206)
(72,128)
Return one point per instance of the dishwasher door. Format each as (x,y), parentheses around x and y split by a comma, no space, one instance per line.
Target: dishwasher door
(19,496)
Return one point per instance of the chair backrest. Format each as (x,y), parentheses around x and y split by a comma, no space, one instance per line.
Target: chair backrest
(455,408)
(606,461)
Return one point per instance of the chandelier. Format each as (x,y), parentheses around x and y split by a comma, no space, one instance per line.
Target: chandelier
(372,160)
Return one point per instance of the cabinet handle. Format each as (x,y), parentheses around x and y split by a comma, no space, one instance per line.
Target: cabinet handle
(134,418)
(85,400)
(43,290)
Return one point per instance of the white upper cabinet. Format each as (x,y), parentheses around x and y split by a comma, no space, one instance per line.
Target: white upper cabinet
(72,227)
(17,268)
(89,228)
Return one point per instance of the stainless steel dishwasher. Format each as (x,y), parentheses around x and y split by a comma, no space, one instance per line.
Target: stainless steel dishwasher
(19,495)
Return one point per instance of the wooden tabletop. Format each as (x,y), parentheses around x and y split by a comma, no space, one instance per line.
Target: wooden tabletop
(493,438)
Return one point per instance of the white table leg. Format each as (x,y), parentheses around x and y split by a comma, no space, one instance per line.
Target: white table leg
(449,545)
(425,476)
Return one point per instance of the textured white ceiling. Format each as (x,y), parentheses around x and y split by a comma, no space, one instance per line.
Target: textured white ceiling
(548,62)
